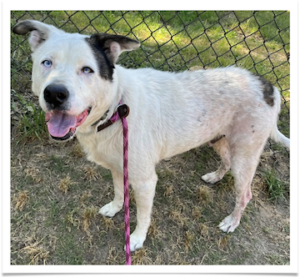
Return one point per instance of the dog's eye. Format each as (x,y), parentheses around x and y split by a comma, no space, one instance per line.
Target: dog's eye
(87,70)
(47,63)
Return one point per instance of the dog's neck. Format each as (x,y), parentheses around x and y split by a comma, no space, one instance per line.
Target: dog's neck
(119,92)
(110,112)
(103,118)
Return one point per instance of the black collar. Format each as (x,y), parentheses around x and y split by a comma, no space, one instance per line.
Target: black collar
(101,118)
(122,110)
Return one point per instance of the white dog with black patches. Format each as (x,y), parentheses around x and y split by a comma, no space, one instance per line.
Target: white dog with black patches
(79,87)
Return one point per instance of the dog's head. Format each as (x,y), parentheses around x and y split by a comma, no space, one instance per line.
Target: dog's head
(72,74)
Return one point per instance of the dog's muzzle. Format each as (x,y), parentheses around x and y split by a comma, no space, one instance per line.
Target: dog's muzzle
(61,125)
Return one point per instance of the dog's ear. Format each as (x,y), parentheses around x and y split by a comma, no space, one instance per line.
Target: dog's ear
(113,45)
(39,31)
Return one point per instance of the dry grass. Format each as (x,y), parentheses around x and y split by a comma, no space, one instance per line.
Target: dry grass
(113,256)
(196,213)
(223,242)
(65,184)
(141,257)
(204,231)
(188,242)
(153,231)
(85,196)
(34,174)
(22,200)
(205,195)
(88,216)
(108,223)
(169,190)
(91,173)
(36,253)
(178,217)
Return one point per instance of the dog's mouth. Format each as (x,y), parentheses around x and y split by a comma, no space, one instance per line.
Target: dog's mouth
(62,126)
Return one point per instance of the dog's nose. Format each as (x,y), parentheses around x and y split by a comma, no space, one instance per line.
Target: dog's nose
(56,95)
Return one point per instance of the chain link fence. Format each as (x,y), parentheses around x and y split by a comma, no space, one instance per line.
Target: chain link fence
(175,41)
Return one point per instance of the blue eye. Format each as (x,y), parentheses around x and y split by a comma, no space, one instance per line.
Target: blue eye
(87,70)
(47,63)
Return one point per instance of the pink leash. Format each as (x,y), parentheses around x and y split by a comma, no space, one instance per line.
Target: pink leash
(122,112)
(126,190)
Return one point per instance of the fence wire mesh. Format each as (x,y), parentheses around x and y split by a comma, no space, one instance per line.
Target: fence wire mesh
(175,41)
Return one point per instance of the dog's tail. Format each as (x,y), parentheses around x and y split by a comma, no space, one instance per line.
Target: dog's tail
(275,133)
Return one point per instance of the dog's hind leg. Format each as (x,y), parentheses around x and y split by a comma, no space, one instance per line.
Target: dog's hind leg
(243,166)
(222,148)
(116,205)
(144,193)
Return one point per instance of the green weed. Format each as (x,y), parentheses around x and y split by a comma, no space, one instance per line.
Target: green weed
(32,124)
(275,187)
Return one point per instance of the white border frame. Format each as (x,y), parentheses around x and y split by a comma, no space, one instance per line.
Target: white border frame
(292,6)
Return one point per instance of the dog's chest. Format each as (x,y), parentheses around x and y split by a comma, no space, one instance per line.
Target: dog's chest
(103,151)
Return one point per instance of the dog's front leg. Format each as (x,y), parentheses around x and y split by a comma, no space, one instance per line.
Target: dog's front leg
(116,205)
(144,193)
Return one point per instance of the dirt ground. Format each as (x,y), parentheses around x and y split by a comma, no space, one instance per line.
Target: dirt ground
(56,194)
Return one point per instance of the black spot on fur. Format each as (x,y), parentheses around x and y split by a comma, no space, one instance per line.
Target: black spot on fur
(105,55)
(268,91)
(104,41)
(106,68)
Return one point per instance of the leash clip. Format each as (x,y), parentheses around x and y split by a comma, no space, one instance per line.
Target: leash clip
(123,110)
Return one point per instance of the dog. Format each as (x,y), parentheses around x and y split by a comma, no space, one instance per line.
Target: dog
(79,86)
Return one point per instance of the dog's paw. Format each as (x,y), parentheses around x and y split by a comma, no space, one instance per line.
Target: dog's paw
(136,242)
(110,209)
(229,224)
(212,177)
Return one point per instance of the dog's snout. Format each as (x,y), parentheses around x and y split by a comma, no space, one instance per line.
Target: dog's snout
(56,95)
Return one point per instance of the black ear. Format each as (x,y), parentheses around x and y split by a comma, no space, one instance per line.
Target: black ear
(39,31)
(113,45)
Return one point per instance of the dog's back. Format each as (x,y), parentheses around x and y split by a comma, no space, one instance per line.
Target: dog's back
(187,109)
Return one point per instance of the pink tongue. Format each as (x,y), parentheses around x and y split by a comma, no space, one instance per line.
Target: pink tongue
(60,123)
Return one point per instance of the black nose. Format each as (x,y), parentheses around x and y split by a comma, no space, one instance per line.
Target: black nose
(56,95)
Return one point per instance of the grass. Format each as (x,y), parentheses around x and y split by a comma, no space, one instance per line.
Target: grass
(56,193)
(37,254)
(65,184)
(88,215)
(31,123)
(22,200)
(276,188)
